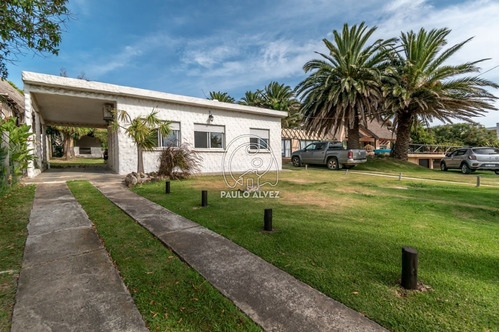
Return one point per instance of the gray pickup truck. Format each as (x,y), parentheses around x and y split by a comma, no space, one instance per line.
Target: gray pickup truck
(331,154)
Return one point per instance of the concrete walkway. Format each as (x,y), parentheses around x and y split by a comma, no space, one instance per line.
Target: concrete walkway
(61,175)
(272,298)
(67,281)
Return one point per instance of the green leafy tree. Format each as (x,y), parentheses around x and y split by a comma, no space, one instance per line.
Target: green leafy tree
(423,135)
(419,86)
(344,87)
(30,24)
(221,96)
(143,130)
(69,135)
(465,134)
(101,135)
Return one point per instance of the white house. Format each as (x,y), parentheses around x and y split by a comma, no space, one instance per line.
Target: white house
(227,136)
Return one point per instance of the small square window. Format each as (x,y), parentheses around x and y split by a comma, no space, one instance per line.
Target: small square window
(209,136)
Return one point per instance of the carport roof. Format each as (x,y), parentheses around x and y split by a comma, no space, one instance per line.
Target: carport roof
(71,101)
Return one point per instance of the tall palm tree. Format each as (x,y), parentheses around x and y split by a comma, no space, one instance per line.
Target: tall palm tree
(344,87)
(418,86)
(221,96)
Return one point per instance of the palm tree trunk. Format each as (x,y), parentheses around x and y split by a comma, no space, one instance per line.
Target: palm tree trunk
(353,135)
(140,165)
(400,151)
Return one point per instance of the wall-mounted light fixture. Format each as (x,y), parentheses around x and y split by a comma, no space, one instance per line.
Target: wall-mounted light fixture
(210,117)
(107,113)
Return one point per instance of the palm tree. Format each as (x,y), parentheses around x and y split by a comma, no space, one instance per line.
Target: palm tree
(281,97)
(252,98)
(418,86)
(143,130)
(221,96)
(344,87)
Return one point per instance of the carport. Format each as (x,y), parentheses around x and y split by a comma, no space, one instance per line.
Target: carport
(67,102)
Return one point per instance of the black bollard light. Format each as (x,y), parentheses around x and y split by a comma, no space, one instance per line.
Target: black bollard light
(268,220)
(478,183)
(409,268)
(167,187)
(204,200)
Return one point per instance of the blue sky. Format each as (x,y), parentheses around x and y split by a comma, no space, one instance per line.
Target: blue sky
(193,47)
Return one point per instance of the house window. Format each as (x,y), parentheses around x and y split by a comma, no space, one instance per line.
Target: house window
(286,148)
(173,139)
(259,139)
(304,143)
(208,136)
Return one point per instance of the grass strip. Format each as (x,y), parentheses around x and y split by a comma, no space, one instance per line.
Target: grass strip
(169,294)
(15,207)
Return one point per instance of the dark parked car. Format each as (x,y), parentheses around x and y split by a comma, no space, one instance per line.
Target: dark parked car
(470,159)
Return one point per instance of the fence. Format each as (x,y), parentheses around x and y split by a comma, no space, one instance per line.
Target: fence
(431,149)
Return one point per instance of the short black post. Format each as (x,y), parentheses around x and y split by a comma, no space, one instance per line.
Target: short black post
(204,201)
(410,267)
(478,181)
(268,220)
(167,187)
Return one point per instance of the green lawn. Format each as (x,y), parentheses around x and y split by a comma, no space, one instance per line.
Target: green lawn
(15,207)
(169,294)
(343,233)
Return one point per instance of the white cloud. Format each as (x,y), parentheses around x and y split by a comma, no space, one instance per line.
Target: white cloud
(478,19)
(114,61)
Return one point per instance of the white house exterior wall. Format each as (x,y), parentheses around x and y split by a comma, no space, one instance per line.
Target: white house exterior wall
(238,120)
(236,124)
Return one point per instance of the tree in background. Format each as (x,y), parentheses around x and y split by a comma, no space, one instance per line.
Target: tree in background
(423,135)
(221,96)
(418,86)
(69,135)
(465,134)
(344,87)
(143,130)
(279,97)
(252,99)
(34,24)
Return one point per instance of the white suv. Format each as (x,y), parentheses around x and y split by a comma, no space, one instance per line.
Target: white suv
(470,159)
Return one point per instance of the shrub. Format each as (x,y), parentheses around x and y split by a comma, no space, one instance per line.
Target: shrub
(179,162)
